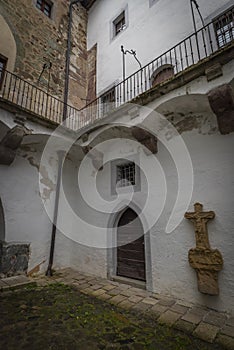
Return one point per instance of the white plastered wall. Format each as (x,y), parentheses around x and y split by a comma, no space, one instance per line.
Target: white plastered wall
(150,31)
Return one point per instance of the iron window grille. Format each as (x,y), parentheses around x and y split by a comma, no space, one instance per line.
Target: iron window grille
(45,7)
(126,174)
(3,63)
(119,23)
(224,28)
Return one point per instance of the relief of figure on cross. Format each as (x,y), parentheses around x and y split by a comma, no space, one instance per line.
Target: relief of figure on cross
(200,219)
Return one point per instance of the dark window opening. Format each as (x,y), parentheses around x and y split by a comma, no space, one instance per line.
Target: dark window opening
(3,64)
(224,28)
(45,7)
(119,23)
(126,174)
(108,99)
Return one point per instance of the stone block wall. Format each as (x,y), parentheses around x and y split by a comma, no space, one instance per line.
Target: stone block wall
(13,259)
(40,39)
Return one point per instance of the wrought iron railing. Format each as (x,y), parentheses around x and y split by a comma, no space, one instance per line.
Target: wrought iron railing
(188,52)
(196,47)
(35,100)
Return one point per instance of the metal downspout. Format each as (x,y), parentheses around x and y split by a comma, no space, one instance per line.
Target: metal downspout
(67,67)
(61,154)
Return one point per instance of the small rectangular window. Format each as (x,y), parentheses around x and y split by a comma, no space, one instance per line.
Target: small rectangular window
(126,175)
(3,63)
(45,6)
(224,28)
(119,23)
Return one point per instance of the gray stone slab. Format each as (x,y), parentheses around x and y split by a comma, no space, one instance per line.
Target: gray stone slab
(16,280)
(166,302)
(142,307)
(215,318)
(115,291)
(206,331)
(135,299)
(169,317)
(117,299)
(185,326)
(2,283)
(230,321)
(150,301)
(225,341)
(179,308)
(159,309)
(192,318)
(228,330)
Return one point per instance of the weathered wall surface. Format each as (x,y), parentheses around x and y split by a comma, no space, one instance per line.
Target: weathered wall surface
(40,40)
(171,274)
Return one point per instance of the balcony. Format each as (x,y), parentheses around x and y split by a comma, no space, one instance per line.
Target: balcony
(208,41)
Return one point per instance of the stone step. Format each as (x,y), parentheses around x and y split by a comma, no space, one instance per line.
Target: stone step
(15,282)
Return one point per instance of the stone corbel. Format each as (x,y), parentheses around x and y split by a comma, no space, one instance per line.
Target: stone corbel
(221,100)
(146,139)
(95,155)
(11,142)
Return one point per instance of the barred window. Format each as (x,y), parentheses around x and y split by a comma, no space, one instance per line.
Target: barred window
(3,63)
(224,28)
(119,23)
(45,6)
(126,174)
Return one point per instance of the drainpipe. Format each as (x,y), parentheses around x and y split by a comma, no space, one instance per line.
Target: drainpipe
(61,154)
(67,68)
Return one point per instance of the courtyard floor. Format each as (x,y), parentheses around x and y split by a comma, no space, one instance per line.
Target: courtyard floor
(58,316)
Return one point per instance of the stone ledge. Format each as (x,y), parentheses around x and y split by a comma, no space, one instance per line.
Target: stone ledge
(15,282)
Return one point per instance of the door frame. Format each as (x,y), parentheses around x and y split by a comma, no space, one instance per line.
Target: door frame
(112,243)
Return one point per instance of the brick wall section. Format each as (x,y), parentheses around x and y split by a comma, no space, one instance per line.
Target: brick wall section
(40,39)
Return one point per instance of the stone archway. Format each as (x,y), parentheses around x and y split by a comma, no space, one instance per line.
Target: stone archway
(130,246)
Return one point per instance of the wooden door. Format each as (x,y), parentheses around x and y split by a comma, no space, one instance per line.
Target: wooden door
(130,250)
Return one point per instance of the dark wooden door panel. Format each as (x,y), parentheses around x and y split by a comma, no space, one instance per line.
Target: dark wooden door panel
(130,251)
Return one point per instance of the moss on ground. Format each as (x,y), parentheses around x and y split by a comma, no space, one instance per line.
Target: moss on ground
(60,317)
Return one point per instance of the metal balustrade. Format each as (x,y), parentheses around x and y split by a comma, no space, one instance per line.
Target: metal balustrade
(196,47)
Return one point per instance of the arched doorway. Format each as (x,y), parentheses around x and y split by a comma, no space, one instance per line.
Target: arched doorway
(130,246)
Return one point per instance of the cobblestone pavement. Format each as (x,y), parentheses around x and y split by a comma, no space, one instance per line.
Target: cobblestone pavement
(204,323)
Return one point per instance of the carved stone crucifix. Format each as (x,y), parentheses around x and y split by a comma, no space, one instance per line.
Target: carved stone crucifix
(206,261)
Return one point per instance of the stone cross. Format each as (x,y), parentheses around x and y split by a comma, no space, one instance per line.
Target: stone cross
(200,218)
(206,261)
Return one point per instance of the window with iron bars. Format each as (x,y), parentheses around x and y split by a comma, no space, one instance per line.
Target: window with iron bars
(224,28)
(3,63)
(119,23)
(126,174)
(45,6)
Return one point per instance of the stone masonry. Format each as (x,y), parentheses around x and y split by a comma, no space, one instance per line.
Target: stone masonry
(40,40)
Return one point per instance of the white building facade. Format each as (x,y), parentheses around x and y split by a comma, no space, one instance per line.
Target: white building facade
(136,159)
